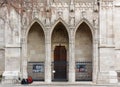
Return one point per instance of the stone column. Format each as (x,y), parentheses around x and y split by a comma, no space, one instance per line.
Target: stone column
(24,58)
(71,47)
(71,57)
(48,57)
(95,61)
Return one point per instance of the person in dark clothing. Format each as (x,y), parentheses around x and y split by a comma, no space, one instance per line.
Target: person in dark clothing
(24,81)
(29,80)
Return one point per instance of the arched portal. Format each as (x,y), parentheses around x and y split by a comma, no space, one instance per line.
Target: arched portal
(83,53)
(60,45)
(36,52)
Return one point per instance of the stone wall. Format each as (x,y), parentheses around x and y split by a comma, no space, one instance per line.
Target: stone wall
(2,64)
(2,51)
(83,44)
(36,44)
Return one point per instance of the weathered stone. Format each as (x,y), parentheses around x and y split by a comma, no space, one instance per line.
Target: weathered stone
(30,30)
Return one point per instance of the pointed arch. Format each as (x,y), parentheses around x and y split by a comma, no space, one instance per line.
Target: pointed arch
(60,20)
(36,38)
(60,39)
(84,48)
(35,45)
(87,23)
(61,27)
(32,23)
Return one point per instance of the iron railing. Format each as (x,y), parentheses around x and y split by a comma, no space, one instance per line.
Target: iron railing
(83,71)
(36,70)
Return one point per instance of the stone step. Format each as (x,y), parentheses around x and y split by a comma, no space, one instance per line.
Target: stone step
(60,85)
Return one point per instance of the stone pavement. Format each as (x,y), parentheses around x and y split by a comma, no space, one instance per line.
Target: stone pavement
(60,85)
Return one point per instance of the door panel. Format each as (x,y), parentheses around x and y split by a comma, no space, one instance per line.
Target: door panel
(60,67)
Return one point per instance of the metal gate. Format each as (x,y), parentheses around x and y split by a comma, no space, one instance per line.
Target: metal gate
(36,70)
(59,71)
(83,71)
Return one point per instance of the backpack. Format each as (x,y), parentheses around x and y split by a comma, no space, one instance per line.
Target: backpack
(29,80)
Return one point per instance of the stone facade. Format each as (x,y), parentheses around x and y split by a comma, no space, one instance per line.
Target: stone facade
(31,29)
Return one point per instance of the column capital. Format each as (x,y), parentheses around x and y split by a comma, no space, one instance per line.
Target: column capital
(72,1)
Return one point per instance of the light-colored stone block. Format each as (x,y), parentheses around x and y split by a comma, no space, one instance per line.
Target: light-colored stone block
(113,77)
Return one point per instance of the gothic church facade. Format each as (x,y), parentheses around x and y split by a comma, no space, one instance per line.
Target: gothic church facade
(60,40)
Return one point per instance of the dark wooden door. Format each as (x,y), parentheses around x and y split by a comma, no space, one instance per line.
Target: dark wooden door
(60,64)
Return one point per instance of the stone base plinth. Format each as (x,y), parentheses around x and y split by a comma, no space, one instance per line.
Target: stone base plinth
(107,77)
(10,77)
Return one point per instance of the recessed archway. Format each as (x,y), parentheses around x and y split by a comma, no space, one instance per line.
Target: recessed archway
(83,52)
(36,52)
(60,45)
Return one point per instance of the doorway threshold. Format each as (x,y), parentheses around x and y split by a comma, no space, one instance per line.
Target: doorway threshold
(60,80)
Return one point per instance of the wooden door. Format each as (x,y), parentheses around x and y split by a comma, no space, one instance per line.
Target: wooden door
(60,64)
